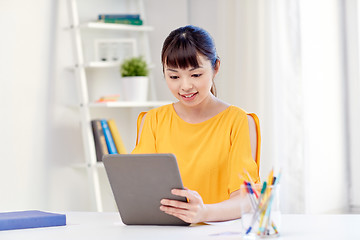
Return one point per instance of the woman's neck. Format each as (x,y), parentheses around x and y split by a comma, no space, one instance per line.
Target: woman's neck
(207,109)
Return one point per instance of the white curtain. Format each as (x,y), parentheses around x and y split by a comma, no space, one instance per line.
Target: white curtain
(287,101)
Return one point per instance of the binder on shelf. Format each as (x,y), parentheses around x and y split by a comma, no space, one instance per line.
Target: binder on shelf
(108,137)
(99,139)
(118,16)
(116,136)
(137,22)
(30,219)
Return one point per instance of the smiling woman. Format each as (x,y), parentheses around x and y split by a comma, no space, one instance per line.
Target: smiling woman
(210,138)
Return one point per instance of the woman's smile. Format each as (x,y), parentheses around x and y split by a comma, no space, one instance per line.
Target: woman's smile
(189,96)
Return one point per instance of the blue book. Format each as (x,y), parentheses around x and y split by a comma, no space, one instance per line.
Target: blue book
(108,137)
(119,16)
(30,219)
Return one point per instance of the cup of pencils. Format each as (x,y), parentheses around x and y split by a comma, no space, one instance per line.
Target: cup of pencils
(260,210)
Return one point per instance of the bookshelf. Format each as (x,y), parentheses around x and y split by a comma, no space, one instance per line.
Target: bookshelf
(87,70)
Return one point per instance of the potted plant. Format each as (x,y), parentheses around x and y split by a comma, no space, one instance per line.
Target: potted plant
(135,81)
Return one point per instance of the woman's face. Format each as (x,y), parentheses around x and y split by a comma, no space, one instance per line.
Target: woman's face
(191,86)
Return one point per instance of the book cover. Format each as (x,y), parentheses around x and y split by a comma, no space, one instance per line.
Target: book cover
(108,137)
(118,16)
(99,139)
(30,219)
(123,21)
(116,136)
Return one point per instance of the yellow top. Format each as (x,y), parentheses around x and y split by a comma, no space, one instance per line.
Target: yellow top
(211,155)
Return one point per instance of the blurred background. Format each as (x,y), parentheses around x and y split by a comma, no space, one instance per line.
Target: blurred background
(294,63)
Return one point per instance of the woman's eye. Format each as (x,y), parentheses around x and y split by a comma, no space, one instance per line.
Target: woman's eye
(196,75)
(174,77)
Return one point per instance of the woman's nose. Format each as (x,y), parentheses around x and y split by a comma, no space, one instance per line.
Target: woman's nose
(186,84)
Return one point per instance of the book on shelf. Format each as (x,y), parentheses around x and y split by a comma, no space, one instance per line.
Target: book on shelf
(99,139)
(136,22)
(108,137)
(109,98)
(116,136)
(118,16)
(30,219)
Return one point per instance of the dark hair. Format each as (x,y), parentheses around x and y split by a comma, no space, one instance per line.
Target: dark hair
(183,45)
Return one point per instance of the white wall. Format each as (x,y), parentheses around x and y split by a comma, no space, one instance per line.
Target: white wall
(25,65)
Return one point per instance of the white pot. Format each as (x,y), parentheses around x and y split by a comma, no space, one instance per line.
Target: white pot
(135,88)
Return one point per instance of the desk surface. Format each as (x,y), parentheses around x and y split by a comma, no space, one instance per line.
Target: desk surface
(88,226)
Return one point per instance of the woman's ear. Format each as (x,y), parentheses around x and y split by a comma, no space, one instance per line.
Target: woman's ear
(217,66)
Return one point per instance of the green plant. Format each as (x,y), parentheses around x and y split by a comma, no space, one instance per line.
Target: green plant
(135,66)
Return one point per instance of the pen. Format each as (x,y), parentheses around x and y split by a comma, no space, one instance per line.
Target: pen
(273,181)
(266,216)
(262,193)
(270,180)
(250,192)
(268,194)
(258,208)
(262,217)
(267,213)
(248,174)
(269,216)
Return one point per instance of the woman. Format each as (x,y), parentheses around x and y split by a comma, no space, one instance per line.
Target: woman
(209,137)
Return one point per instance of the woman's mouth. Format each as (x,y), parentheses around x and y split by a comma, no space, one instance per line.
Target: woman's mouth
(188,97)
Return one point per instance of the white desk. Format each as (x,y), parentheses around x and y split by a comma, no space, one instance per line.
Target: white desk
(101,226)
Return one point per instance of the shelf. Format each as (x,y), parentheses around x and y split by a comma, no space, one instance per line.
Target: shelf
(102,64)
(108,65)
(129,104)
(116,26)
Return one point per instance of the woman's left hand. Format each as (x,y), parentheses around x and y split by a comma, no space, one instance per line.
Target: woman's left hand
(193,211)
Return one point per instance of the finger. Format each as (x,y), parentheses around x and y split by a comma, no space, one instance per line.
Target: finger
(174,203)
(178,212)
(185,193)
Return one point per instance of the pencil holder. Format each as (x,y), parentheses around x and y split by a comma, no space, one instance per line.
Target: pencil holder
(260,213)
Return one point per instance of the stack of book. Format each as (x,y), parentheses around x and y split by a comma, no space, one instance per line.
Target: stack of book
(107,138)
(131,19)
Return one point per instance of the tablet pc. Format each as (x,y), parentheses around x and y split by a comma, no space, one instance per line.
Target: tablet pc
(139,182)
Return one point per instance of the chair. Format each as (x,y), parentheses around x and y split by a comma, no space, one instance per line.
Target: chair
(255,137)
